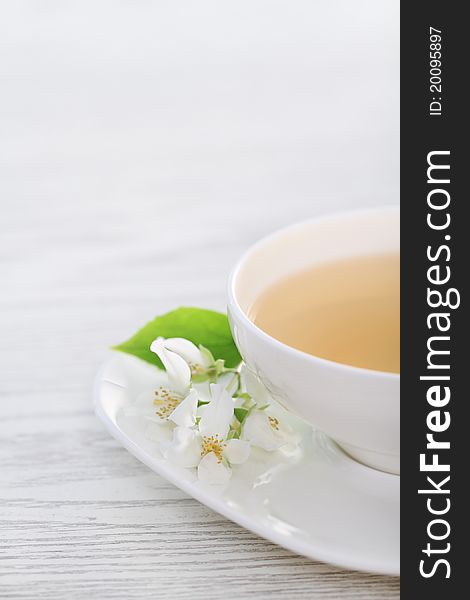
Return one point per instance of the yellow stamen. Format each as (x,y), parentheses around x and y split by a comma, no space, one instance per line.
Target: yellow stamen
(213,444)
(167,401)
(274,423)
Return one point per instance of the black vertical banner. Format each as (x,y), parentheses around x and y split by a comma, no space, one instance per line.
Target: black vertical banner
(435,257)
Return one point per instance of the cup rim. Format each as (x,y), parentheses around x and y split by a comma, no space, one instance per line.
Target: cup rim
(235,305)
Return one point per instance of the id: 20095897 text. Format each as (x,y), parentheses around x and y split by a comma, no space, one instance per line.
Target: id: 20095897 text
(435,71)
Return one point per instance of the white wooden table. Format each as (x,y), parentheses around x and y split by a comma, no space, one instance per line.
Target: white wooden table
(143,146)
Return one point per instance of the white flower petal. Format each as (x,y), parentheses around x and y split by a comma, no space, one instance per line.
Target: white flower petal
(185,413)
(201,410)
(258,431)
(156,419)
(146,398)
(289,435)
(158,431)
(203,391)
(134,411)
(218,414)
(185,448)
(237,451)
(229,381)
(187,350)
(178,371)
(142,406)
(213,472)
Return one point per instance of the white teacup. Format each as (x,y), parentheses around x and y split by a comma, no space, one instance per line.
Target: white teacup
(358,408)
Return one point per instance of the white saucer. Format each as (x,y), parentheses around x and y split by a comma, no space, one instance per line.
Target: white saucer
(317,502)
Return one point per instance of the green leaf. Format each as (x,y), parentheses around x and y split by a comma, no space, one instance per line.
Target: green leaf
(202,327)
